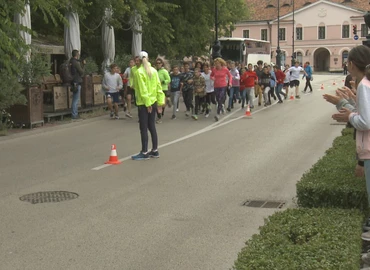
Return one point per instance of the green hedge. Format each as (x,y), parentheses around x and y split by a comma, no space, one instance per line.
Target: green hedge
(309,239)
(331,181)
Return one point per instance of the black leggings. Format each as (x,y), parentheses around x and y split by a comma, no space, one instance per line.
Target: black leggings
(308,84)
(211,98)
(147,121)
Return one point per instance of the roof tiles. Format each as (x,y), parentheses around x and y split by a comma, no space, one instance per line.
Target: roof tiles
(265,10)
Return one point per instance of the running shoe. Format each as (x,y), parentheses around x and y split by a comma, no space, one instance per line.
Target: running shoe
(153,154)
(195,117)
(206,116)
(159,121)
(116,117)
(129,115)
(216,118)
(298,97)
(173,117)
(111,114)
(140,156)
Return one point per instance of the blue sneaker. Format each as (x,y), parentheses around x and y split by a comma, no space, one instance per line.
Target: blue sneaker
(140,156)
(153,154)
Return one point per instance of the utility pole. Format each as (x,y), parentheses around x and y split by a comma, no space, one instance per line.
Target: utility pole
(216,48)
(367,22)
(278,51)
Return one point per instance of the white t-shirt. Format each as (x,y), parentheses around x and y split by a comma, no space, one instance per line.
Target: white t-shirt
(113,82)
(287,76)
(127,74)
(209,83)
(295,72)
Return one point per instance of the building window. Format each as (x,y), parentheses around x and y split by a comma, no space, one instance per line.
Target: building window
(263,34)
(245,33)
(299,33)
(345,31)
(344,56)
(364,30)
(321,32)
(281,33)
(299,57)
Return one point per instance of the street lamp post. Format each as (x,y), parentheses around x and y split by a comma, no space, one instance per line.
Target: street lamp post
(293,54)
(216,48)
(278,51)
(367,21)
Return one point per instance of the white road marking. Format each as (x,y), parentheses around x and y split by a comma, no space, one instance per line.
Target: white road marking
(201,131)
(210,127)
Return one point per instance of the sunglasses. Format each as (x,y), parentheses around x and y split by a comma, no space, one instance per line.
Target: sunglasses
(159,63)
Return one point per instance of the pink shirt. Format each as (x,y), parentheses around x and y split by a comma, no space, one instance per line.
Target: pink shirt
(220,76)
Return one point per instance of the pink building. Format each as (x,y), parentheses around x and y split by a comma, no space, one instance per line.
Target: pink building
(323,29)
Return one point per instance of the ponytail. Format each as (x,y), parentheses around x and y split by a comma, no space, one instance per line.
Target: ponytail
(367,72)
(147,67)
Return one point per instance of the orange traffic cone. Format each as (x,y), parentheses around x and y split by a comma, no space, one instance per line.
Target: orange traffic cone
(248,111)
(113,159)
(322,87)
(334,83)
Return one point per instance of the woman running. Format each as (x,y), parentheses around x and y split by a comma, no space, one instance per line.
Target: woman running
(219,75)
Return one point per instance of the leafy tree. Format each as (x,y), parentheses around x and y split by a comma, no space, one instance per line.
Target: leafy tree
(189,30)
(13,47)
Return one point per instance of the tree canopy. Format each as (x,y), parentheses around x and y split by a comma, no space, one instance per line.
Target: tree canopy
(174,28)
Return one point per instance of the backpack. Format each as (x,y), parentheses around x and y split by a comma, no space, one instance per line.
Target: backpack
(65,72)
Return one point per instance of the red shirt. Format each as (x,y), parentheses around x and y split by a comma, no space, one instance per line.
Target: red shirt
(280,76)
(220,77)
(249,78)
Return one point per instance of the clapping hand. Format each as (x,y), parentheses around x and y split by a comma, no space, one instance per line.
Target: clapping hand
(342,116)
(332,99)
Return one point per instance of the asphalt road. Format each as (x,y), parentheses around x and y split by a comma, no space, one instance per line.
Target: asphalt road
(182,211)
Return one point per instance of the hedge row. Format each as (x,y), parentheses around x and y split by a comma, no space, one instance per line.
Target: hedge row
(325,232)
(310,239)
(331,181)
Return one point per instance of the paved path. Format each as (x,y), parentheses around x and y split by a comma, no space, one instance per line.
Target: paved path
(183,211)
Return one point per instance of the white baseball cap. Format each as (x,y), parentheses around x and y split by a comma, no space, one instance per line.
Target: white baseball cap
(143,54)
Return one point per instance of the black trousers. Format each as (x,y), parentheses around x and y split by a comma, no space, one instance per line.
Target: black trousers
(199,101)
(147,122)
(188,99)
(308,84)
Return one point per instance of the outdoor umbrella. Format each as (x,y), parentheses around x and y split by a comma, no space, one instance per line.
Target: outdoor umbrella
(108,40)
(24,19)
(72,39)
(136,34)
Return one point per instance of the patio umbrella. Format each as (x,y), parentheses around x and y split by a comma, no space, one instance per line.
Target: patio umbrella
(24,19)
(108,40)
(136,34)
(72,40)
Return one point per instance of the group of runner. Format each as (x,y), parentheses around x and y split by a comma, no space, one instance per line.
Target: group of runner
(203,85)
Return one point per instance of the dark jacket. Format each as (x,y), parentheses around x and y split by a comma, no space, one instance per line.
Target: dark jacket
(265,79)
(77,70)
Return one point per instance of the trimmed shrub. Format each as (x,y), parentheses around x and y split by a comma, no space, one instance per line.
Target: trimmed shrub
(309,239)
(331,181)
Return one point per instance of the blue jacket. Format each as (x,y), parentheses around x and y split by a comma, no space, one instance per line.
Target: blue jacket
(308,70)
(273,79)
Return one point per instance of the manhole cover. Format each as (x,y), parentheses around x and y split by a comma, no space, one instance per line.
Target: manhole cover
(48,197)
(264,204)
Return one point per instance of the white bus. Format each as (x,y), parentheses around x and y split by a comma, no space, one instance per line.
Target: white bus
(245,50)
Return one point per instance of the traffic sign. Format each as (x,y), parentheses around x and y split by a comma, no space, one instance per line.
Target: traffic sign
(355,37)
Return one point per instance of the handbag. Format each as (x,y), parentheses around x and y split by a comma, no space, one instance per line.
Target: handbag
(73,88)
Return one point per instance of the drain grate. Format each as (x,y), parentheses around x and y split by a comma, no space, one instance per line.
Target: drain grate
(264,204)
(48,197)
